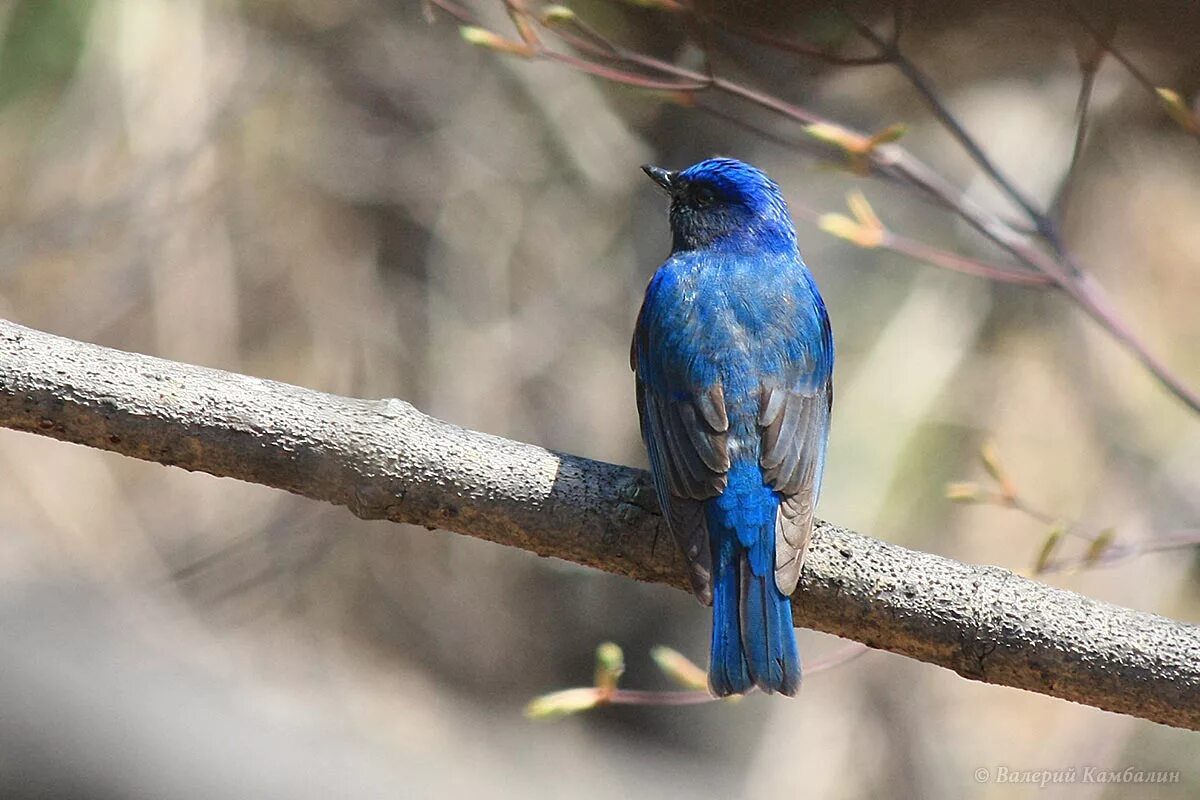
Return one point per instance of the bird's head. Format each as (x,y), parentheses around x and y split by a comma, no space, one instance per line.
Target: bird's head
(725,202)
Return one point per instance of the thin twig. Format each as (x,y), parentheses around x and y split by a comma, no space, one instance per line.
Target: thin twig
(1019,504)
(621,76)
(1187,118)
(1120,552)
(838,657)
(650,697)
(790,46)
(959,263)
(1104,39)
(461,14)
(925,88)
(1089,65)
(936,256)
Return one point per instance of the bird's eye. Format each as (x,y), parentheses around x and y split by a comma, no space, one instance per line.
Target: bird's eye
(703,197)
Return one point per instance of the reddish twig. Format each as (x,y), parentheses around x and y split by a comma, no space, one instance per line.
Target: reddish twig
(872,234)
(1120,552)
(790,46)
(643,697)
(959,263)
(623,77)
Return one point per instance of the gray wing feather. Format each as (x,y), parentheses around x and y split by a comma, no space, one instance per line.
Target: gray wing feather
(687,441)
(793,424)
(712,406)
(708,444)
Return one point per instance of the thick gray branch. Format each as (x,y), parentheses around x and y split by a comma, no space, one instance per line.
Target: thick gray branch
(385,460)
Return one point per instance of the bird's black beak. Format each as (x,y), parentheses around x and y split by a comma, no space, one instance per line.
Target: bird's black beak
(665,178)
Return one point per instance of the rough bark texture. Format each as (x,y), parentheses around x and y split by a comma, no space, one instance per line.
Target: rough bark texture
(383,459)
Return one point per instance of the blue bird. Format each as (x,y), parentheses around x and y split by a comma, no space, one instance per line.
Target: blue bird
(733,356)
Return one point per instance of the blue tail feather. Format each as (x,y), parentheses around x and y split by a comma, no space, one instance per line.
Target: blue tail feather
(753,641)
(727,669)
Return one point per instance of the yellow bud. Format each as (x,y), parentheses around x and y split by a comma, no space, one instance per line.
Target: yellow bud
(560,704)
(838,136)
(660,5)
(839,225)
(481,37)
(855,144)
(679,668)
(865,230)
(889,134)
(991,460)
(850,230)
(963,492)
(557,15)
(519,14)
(610,665)
(862,210)
(1048,547)
(1178,110)
(990,457)
(1100,544)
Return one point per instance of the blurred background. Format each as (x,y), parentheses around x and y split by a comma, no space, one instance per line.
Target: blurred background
(342,195)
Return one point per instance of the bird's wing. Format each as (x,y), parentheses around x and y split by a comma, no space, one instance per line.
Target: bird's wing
(686,440)
(793,421)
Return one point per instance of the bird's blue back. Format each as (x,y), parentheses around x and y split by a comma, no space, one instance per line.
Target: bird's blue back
(733,355)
